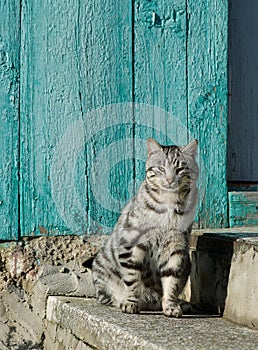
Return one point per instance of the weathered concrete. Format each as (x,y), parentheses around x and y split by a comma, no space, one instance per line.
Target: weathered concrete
(225,273)
(108,328)
(24,262)
(14,334)
(21,313)
(242,297)
(32,270)
(58,338)
(54,266)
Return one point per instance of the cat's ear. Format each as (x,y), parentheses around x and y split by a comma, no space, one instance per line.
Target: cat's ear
(191,148)
(153,146)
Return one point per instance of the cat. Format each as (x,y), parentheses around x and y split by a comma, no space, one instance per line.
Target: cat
(144,264)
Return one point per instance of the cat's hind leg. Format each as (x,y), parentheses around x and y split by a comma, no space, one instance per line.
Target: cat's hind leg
(107,280)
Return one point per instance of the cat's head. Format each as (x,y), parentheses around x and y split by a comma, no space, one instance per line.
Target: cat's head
(168,166)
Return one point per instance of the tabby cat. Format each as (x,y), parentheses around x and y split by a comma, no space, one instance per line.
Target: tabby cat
(145,263)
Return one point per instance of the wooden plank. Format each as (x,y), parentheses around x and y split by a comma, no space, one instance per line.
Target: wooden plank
(243,116)
(160,89)
(107,89)
(207,103)
(50,102)
(9,114)
(75,59)
(243,209)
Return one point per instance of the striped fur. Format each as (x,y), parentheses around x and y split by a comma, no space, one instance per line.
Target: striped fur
(145,263)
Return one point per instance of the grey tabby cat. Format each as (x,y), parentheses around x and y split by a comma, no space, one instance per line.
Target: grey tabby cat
(145,263)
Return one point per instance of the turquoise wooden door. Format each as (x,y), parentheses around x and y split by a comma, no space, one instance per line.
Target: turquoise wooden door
(96,79)
(76,60)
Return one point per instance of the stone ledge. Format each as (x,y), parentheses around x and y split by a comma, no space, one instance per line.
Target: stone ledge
(223,241)
(224,275)
(103,327)
(59,338)
(224,280)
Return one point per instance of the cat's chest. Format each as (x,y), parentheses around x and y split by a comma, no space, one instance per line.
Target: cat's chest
(165,217)
(169,220)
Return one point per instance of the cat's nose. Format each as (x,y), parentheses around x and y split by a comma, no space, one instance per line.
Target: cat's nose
(169,181)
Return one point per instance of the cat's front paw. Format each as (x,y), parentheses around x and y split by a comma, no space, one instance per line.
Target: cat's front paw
(130,307)
(172,309)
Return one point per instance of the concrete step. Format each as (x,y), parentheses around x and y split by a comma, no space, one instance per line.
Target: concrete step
(224,276)
(102,327)
(224,281)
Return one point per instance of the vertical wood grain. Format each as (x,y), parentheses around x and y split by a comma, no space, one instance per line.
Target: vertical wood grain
(81,62)
(49,103)
(243,117)
(106,89)
(160,73)
(207,102)
(75,59)
(9,117)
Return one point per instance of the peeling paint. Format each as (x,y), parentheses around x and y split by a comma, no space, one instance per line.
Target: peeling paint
(242,208)
(169,55)
(9,114)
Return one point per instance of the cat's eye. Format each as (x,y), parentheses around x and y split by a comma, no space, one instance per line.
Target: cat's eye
(161,169)
(150,173)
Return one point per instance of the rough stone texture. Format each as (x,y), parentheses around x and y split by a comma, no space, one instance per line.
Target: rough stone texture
(19,311)
(24,262)
(13,334)
(34,269)
(212,252)
(108,328)
(242,298)
(58,338)
(62,280)
(30,271)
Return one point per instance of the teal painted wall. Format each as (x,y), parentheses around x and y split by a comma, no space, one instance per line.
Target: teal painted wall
(96,79)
